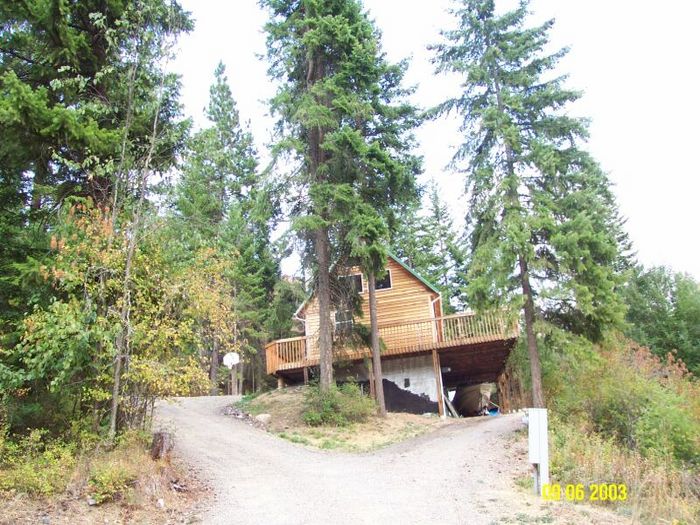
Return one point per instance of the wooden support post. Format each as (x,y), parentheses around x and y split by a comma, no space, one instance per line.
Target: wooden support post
(503,394)
(438,383)
(306,375)
(280,382)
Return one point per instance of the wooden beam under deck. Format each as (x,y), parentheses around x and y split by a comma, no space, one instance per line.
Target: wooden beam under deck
(438,383)
(474,364)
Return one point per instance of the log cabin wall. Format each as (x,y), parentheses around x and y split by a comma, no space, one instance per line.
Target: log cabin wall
(407,300)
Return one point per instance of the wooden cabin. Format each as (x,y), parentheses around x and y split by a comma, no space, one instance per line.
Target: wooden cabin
(424,352)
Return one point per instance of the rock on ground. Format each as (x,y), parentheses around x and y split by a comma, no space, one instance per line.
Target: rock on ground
(264,418)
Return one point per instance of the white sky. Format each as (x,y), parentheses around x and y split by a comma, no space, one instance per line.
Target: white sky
(636,61)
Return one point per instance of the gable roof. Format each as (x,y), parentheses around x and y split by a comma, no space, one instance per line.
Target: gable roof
(415,274)
(401,263)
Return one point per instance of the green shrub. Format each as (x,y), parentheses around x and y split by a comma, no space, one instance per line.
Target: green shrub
(110,480)
(665,429)
(338,407)
(134,439)
(34,465)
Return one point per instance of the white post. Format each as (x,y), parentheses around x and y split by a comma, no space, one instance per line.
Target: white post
(538,447)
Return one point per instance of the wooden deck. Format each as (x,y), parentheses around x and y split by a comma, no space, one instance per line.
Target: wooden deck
(458,331)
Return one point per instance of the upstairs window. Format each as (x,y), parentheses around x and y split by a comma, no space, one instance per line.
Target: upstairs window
(352,282)
(385,282)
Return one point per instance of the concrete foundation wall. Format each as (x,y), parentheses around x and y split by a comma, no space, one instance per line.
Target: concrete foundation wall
(414,376)
(417,370)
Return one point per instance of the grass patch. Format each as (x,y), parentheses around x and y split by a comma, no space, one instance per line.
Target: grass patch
(524,518)
(248,404)
(525,482)
(330,444)
(294,438)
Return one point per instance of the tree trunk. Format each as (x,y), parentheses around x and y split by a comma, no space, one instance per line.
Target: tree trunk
(162,445)
(325,339)
(116,389)
(123,337)
(374,338)
(529,305)
(41,176)
(240,378)
(315,71)
(122,340)
(532,350)
(233,381)
(214,368)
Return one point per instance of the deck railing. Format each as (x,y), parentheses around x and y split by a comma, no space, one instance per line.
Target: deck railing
(400,338)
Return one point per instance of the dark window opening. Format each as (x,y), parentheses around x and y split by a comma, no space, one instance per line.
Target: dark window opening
(352,282)
(384,282)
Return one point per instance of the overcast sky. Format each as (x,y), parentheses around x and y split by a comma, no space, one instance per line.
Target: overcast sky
(636,61)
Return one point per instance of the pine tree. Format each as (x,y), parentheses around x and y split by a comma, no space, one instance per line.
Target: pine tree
(74,84)
(448,254)
(379,164)
(542,222)
(341,118)
(219,171)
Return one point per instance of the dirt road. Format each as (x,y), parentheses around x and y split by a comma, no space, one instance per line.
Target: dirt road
(462,473)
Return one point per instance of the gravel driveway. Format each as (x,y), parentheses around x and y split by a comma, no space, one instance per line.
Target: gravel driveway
(462,473)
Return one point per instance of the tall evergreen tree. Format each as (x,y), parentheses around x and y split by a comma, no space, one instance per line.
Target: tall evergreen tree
(220,167)
(377,159)
(339,116)
(542,222)
(72,79)
(448,252)
(333,114)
